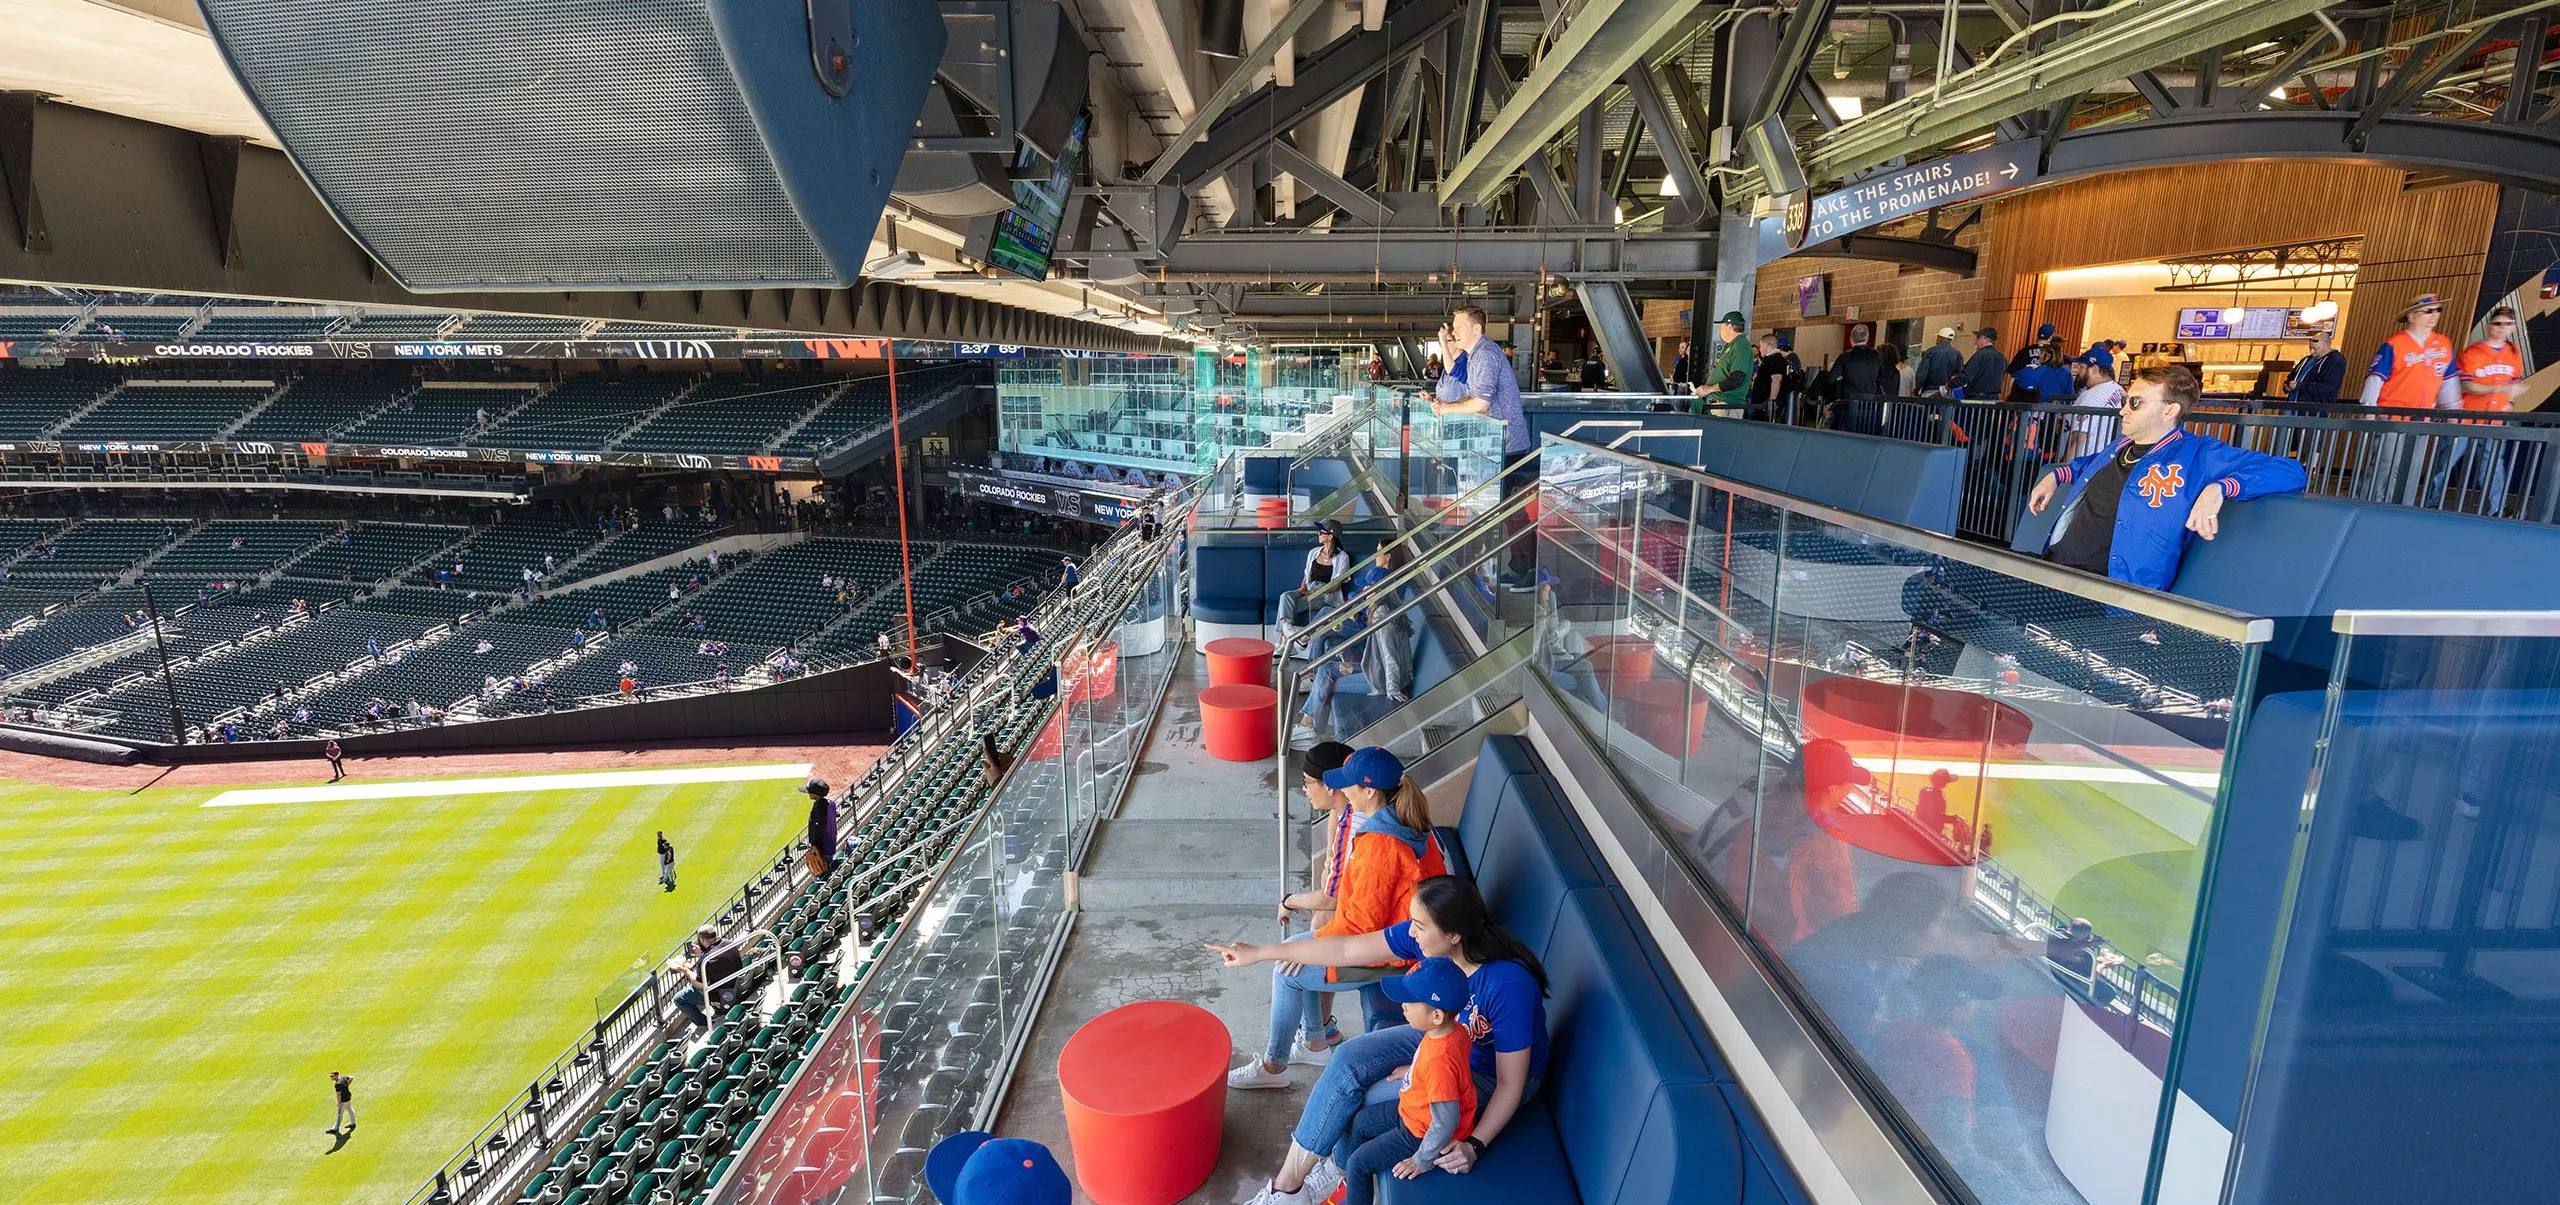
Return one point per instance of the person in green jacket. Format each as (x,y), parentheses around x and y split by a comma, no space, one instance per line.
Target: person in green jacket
(1729,381)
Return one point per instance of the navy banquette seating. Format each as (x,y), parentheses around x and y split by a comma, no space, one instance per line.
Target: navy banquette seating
(1637,1108)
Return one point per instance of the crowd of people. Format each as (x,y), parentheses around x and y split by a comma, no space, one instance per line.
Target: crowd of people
(2416,367)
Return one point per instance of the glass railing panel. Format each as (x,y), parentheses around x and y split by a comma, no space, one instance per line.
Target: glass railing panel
(1911,766)
(2407,1019)
(941,1034)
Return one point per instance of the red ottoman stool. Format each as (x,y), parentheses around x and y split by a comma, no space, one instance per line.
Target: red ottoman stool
(1655,714)
(1619,659)
(1237,659)
(1145,1087)
(1237,721)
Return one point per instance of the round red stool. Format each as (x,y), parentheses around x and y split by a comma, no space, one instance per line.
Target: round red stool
(1665,715)
(1620,658)
(1237,721)
(1237,659)
(1145,1087)
(1271,513)
(1096,674)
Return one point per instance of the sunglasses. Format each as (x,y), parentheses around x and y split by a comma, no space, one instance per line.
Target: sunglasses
(2433,309)
(2502,322)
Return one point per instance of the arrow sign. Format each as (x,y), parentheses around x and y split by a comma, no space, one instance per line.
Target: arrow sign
(1899,193)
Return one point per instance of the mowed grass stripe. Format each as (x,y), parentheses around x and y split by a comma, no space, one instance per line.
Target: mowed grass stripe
(182,979)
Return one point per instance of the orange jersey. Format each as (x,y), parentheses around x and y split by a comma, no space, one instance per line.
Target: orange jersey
(2413,370)
(1439,1074)
(2481,364)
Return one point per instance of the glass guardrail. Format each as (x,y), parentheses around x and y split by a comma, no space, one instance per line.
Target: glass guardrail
(1964,799)
(2385,967)
(924,1044)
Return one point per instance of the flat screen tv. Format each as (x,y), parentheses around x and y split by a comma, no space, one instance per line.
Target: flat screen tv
(1027,235)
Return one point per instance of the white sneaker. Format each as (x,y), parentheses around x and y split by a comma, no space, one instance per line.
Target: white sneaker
(1299,1054)
(1254,1075)
(1321,1181)
(1273,1196)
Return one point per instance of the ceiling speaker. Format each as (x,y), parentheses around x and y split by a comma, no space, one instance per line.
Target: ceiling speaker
(543,145)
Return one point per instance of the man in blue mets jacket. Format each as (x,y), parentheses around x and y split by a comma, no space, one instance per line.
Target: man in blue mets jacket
(2130,509)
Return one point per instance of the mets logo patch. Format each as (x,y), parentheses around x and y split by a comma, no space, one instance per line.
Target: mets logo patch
(2158,485)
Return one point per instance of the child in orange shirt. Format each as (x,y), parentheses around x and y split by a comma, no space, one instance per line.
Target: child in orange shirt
(1437,1105)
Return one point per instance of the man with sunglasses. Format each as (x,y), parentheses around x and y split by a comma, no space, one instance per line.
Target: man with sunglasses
(2414,369)
(2129,509)
(2490,374)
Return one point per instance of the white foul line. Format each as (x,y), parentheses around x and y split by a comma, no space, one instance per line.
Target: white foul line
(2039,771)
(504,786)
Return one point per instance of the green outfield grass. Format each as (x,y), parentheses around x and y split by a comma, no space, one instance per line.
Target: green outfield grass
(2094,856)
(177,982)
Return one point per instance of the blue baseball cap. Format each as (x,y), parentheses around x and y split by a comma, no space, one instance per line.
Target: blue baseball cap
(1434,981)
(977,1168)
(2045,331)
(1371,767)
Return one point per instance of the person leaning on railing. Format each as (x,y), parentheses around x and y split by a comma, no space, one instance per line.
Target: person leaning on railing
(2131,507)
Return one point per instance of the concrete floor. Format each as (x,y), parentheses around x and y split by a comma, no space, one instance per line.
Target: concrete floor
(1191,857)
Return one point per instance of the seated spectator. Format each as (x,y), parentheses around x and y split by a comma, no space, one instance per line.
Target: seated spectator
(1505,1014)
(2132,507)
(1391,850)
(1319,584)
(1436,1105)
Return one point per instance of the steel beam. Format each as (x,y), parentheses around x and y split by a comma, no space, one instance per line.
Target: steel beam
(1325,76)
(1595,50)
(1228,89)
(1434,306)
(1886,248)
(1454,255)
(2096,54)
(2522,156)
(1803,36)
(130,207)
(2415,77)
(1540,167)
(1678,160)
(1620,327)
(1353,201)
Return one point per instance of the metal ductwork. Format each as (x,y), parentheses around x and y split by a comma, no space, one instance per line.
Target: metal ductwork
(592,144)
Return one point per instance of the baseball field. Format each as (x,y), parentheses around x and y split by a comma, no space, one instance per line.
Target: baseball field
(2086,848)
(180,971)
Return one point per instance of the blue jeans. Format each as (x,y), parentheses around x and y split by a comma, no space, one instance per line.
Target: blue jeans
(1297,1005)
(1330,678)
(1357,1078)
(1324,1125)
(690,1002)
(1379,1141)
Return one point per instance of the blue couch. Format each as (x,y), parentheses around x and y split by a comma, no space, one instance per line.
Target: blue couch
(1637,1107)
(1237,579)
(1912,484)
(2299,560)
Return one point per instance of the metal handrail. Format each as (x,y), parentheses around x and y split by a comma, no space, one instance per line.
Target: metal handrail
(1397,580)
(1472,557)
(2206,618)
(1411,534)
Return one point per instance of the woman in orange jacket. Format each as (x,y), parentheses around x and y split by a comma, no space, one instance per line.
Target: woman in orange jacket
(1391,851)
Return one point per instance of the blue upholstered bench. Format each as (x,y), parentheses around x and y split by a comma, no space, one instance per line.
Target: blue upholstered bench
(1635,1109)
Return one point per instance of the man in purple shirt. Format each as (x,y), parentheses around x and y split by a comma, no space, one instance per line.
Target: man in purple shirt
(1486,385)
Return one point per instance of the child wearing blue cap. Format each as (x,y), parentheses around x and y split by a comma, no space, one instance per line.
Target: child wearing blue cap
(977,1168)
(1436,1104)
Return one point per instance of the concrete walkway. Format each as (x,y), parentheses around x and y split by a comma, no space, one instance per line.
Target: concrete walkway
(1191,857)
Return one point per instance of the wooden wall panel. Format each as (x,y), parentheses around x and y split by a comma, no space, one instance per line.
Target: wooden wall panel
(2434,240)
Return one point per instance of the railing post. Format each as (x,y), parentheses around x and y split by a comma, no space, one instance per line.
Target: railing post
(533,1108)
